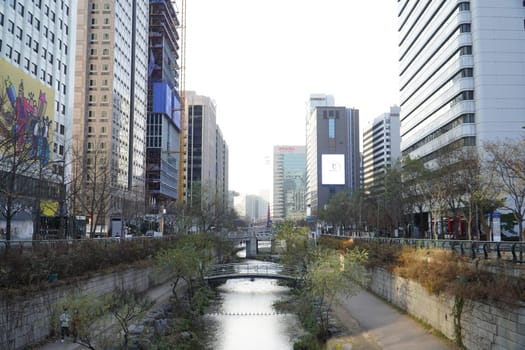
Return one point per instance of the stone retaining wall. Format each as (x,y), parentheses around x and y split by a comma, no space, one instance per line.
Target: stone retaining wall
(27,319)
(483,326)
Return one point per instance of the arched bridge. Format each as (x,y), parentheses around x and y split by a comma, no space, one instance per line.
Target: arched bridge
(242,270)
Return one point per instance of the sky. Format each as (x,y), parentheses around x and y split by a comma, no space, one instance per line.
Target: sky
(261,60)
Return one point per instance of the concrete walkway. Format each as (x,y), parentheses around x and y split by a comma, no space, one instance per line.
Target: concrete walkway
(159,295)
(388,328)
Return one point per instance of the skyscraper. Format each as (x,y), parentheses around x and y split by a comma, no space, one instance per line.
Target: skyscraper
(289,183)
(461,74)
(36,105)
(381,144)
(163,151)
(332,154)
(109,130)
(207,150)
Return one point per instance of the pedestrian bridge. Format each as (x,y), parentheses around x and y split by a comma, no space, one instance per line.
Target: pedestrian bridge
(243,270)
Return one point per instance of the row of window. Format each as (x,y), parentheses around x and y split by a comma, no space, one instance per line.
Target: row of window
(467,118)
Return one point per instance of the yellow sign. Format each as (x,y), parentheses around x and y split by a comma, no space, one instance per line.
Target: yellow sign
(26,113)
(48,208)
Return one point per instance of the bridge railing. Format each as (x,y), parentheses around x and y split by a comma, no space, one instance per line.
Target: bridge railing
(250,269)
(506,250)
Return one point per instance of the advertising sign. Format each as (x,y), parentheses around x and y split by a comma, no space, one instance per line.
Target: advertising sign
(333,169)
(26,113)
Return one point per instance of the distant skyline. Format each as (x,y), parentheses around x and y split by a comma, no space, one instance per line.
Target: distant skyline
(260,61)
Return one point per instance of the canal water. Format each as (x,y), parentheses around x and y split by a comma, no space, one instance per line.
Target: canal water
(246,318)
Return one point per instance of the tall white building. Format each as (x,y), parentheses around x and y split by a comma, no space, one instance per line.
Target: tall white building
(462,74)
(37,59)
(381,149)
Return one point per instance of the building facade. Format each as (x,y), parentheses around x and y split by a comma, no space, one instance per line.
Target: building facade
(461,74)
(109,127)
(37,59)
(289,183)
(332,154)
(381,150)
(207,151)
(163,142)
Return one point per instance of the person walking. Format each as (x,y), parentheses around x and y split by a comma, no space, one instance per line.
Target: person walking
(64,325)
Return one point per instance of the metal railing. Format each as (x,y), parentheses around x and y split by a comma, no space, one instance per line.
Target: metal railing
(506,250)
(240,270)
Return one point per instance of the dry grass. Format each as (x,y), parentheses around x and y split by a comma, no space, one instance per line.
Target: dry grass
(443,271)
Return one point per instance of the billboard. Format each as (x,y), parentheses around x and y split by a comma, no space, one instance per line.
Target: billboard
(166,101)
(333,169)
(26,113)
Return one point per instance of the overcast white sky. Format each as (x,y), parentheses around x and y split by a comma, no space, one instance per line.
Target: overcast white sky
(261,60)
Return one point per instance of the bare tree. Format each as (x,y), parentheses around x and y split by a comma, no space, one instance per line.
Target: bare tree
(507,160)
(92,186)
(416,188)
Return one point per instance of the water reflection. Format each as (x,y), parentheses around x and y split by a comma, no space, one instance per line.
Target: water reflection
(247,319)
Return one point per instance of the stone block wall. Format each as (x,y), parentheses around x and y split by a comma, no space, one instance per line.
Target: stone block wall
(484,326)
(26,319)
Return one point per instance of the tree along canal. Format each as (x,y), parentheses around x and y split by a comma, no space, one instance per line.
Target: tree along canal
(245,317)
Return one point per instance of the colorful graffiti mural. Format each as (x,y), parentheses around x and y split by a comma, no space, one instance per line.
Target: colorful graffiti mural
(24,113)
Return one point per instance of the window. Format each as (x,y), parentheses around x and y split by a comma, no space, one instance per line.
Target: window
(16,57)
(35,46)
(106,21)
(28,40)
(34,68)
(92,98)
(8,51)
(45,31)
(464,6)
(29,17)
(465,50)
(1,19)
(105,36)
(26,63)
(93,36)
(19,33)
(464,28)
(92,67)
(92,83)
(11,27)
(37,24)
(93,52)
(20,9)
(93,21)
(331,128)
(105,52)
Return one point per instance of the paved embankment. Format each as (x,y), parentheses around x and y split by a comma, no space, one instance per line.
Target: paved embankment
(373,324)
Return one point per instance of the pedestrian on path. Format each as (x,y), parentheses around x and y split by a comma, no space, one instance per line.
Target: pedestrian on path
(64,325)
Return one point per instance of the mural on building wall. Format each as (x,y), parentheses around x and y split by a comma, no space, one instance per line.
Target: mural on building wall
(24,112)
